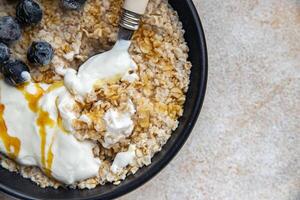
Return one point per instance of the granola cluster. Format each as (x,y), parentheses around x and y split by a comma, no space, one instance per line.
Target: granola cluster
(161,54)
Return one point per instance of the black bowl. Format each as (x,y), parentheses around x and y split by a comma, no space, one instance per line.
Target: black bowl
(15,185)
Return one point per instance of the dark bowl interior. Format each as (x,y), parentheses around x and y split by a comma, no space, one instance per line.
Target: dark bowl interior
(16,186)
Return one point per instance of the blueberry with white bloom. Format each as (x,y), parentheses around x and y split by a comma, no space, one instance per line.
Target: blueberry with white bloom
(73,4)
(15,72)
(4,53)
(29,12)
(10,30)
(40,53)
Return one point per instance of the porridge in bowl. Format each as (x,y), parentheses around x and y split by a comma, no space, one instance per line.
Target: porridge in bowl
(82,126)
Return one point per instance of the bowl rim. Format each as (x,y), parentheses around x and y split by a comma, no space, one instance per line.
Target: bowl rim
(161,164)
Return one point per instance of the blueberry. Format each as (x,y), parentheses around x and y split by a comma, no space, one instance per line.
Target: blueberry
(29,12)
(4,53)
(15,72)
(73,4)
(10,30)
(40,53)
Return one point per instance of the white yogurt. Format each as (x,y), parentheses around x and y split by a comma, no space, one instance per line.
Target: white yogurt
(72,160)
(44,128)
(118,125)
(26,76)
(123,159)
(65,104)
(105,66)
(130,77)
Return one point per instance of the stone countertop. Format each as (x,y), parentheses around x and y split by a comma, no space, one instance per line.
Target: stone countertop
(246,143)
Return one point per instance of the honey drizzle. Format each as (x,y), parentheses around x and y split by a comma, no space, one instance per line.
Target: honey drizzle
(112,80)
(59,119)
(60,123)
(43,120)
(50,157)
(12,144)
(32,99)
(55,86)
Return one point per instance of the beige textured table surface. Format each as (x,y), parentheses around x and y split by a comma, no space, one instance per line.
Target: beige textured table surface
(246,144)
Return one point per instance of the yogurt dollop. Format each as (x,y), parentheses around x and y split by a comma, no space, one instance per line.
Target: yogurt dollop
(119,125)
(42,141)
(123,159)
(113,64)
(36,121)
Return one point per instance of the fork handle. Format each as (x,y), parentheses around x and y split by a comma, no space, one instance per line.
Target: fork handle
(136,6)
(133,10)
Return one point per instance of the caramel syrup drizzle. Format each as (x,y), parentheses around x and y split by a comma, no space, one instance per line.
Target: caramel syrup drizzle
(12,144)
(60,120)
(32,99)
(49,160)
(43,121)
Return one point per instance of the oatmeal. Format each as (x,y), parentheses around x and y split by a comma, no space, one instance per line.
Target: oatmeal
(123,120)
